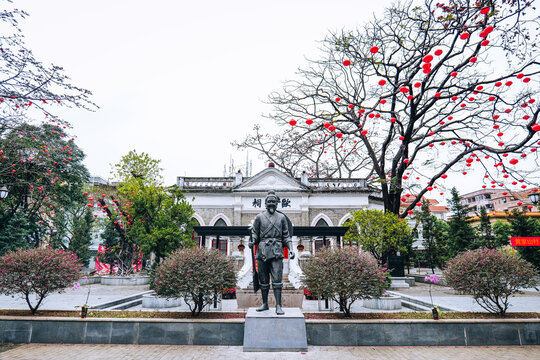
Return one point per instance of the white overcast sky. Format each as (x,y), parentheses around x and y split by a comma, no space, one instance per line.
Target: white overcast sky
(180,80)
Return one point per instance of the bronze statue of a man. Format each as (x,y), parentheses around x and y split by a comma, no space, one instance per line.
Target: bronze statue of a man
(271,232)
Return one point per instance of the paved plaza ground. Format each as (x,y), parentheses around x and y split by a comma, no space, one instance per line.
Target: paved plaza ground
(442,296)
(165,352)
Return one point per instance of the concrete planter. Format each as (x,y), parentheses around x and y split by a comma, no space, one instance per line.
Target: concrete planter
(124,281)
(384,303)
(158,302)
(90,280)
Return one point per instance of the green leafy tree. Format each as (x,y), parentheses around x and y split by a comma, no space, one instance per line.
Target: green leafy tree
(81,237)
(485,236)
(522,225)
(146,215)
(346,276)
(433,235)
(461,235)
(502,232)
(382,234)
(45,180)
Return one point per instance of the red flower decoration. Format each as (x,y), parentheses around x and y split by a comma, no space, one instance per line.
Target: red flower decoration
(309,121)
(473,59)
(514,161)
(374,50)
(427,58)
(292,122)
(438,52)
(347,62)
(464,36)
(382,82)
(485,10)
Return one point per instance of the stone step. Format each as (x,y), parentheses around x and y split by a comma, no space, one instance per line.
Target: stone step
(110,304)
(413,306)
(422,303)
(127,305)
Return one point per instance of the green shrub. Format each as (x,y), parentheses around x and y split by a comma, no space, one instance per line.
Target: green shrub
(39,272)
(346,276)
(195,275)
(490,276)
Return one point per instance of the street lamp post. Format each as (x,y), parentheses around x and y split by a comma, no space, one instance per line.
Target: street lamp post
(534,196)
(3,192)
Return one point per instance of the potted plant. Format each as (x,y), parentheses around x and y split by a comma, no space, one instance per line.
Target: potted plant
(84,311)
(432,279)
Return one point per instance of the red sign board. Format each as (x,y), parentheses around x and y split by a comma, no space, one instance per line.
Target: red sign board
(525,241)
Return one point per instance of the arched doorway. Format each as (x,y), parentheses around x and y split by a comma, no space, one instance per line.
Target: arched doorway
(218,242)
(321,243)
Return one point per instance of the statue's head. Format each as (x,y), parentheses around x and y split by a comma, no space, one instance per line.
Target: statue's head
(271,202)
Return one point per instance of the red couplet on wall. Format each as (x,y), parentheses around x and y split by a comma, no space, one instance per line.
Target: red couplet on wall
(525,241)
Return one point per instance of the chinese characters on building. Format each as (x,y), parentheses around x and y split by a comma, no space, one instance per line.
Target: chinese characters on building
(285,203)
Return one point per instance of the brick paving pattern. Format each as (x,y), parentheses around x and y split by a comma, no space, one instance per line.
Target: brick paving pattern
(162,352)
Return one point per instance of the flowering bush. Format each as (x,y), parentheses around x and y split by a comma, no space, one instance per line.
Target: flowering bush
(196,275)
(39,272)
(345,276)
(490,276)
(228,294)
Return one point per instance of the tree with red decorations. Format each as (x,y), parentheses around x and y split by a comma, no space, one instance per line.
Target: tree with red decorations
(40,164)
(142,215)
(409,99)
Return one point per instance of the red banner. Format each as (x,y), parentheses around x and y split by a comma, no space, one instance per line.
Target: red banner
(525,241)
(103,269)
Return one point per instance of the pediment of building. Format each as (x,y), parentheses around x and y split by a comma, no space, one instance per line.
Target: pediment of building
(270,179)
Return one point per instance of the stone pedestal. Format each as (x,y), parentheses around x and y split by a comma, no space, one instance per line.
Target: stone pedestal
(399,283)
(266,331)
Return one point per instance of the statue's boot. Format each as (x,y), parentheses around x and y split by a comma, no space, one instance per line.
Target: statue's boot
(264,306)
(277,294)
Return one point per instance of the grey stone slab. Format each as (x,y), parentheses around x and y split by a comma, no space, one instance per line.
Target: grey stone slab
(17,331)
(530,334)
(207,334)
(318,334)
(396,334)
(232,334)
(369,335)
(266,331)
(60,332)
(492,334)
(343,334)
(166,333)
(124,332)
(98,332)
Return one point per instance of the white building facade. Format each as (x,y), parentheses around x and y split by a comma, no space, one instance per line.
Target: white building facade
(228,201)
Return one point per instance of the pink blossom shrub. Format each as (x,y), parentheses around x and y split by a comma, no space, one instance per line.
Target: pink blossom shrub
(490,276)
(346,276)
(196,275)
(39,272)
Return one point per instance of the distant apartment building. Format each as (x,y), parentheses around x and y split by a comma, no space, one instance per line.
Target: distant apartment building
(439,211)
(496,200)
